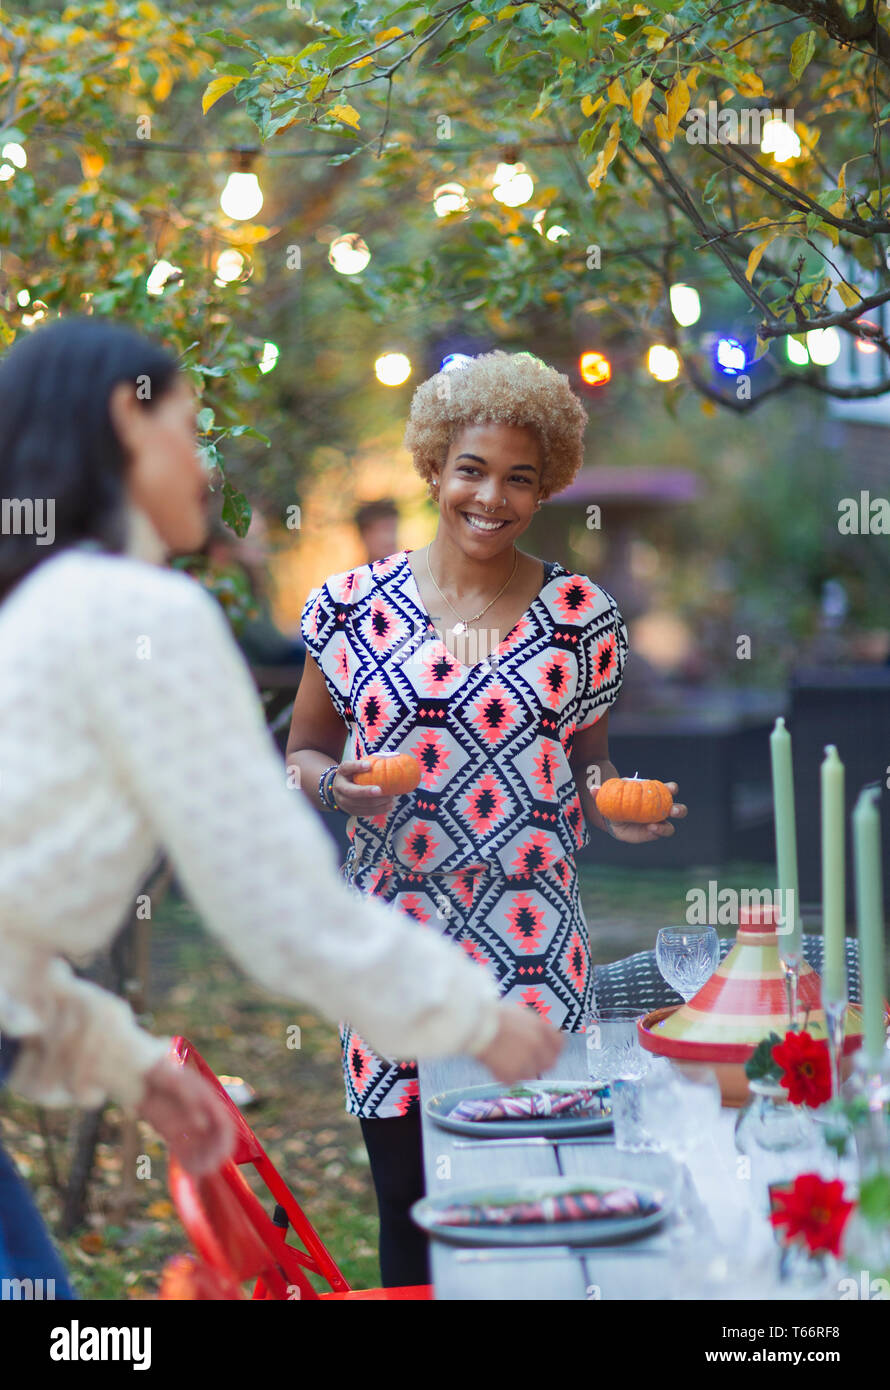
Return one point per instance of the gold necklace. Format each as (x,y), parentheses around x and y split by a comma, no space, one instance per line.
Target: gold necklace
(462,624)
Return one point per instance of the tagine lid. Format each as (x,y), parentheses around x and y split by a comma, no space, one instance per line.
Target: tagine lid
(744,1001)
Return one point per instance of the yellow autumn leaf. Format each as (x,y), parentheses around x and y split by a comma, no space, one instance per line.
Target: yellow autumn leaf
(754,258)
(839,208)
(848,293)
(163,84)
(216,89)
(508,11)
(692,78)
(751,85)
(385,34)
(149,11)
(588,105)
(677,104)
(655,38)
(708,408)
(361,62)
(616,93)
(478,23)
(161,1210)
(641,100)
(662,127)
(347,114)
(605,157)
(92,164)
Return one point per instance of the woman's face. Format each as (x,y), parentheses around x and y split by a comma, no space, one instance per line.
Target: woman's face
(489,486)
(166,478)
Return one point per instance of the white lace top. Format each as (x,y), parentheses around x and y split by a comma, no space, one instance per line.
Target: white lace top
(129,722)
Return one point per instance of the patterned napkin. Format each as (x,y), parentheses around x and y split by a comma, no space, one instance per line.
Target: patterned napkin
(569,1206)
(565,1105)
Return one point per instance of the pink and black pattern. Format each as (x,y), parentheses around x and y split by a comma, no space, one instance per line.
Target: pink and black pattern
(483,850)
(586,1101)
(570,1206)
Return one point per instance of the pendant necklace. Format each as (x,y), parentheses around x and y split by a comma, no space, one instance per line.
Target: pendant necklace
(463,623)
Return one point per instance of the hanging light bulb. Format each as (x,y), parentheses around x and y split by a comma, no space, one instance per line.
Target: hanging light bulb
(38,311)
(730,356)
(162,272)
(453,360)
(16,157)
(450,197)
(229,266)
(554,233)
(268,357)
(780,140)
(242,196)
(594,368)
(513,185)
(663,362)
(797,352)
(22,298)
(872,328)
(349,254)
(392,368)
(824,346)
(685,305)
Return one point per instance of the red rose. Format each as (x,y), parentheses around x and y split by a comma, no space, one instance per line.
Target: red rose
(813,1209)
(806,1068)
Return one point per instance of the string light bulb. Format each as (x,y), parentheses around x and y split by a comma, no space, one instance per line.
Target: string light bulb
(685,305)
(242,197)
(392,368)
(663,362)
(349,254)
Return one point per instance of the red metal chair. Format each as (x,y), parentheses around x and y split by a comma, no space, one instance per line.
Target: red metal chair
(236,1238)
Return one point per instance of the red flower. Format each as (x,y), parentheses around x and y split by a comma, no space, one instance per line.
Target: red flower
(806,1067)
(813,1209)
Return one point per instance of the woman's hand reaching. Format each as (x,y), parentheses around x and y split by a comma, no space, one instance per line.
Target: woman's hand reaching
(634,833)
(189,1116)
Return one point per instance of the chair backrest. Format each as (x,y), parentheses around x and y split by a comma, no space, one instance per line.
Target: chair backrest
(233,1235)
(314,1256)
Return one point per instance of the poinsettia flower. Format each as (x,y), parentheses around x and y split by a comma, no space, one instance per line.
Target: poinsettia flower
(806,1068)
(814,1210)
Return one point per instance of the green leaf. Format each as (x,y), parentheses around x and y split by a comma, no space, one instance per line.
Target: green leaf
(874,1199)
(205,416)
(760,1066)
(801,52)
(236,510)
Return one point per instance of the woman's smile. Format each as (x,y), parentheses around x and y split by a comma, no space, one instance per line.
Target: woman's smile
(484,523)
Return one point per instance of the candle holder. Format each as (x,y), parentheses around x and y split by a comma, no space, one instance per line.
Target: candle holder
(835,1025)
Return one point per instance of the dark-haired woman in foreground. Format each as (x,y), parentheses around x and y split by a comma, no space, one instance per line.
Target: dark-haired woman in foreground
(129,723)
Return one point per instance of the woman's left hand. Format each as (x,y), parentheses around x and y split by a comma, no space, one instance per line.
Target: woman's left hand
(635,833)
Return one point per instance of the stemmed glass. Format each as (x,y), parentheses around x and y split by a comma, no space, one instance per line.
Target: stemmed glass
(687,957)
(680,1111)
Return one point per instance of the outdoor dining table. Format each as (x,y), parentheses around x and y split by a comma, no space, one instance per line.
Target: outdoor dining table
(640,1269)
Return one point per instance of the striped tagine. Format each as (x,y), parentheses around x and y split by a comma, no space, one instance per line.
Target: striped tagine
(742,1002)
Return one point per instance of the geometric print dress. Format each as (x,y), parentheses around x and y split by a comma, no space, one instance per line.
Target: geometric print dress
(484,850)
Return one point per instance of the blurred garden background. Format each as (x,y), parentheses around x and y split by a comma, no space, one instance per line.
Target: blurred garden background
(316,207)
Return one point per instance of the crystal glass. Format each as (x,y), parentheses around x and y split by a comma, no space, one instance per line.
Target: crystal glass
(613,1045)
(779,1140)
(687,957)
(631,1134)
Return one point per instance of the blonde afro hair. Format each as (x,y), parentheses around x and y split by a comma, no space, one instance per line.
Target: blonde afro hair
(499,388)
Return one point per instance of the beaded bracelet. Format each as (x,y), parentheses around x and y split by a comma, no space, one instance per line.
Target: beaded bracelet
(325,788)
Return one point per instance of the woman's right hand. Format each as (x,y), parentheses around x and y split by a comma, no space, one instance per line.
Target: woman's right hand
(189,1116)
(357,800)
(524,1045)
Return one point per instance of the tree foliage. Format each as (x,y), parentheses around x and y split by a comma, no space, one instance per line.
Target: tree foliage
(606,100)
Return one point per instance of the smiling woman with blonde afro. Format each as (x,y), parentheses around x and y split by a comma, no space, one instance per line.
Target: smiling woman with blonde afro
(499,388)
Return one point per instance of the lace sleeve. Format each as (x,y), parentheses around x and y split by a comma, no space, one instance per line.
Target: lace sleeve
(180,720)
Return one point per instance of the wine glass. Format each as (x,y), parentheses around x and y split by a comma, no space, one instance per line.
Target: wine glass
(687,957)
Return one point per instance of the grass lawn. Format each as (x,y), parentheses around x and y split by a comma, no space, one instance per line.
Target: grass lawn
(299,1115)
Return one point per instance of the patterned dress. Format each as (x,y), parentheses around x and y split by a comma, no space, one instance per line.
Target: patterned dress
(484,849)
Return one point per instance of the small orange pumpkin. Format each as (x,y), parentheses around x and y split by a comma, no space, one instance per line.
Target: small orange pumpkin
(634,799)
(394,773)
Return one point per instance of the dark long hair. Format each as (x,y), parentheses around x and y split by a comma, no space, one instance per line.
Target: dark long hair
(57,440)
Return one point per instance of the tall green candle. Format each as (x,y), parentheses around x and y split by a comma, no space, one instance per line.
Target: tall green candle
(834,972)
(786,838)
(870,918)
